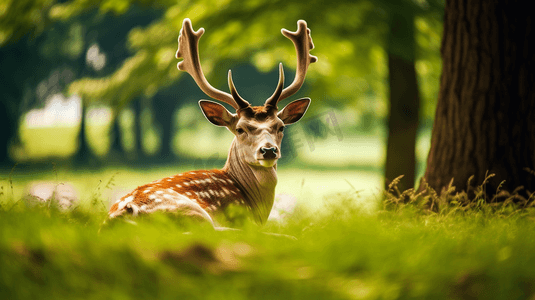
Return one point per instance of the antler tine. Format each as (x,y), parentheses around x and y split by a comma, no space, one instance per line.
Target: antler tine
(276,95)
(242,103)
(303,44)
(188,49)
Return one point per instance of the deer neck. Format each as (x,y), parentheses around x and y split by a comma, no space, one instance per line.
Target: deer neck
(256,183)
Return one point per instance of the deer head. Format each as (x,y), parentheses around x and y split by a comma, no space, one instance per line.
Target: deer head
(258,130)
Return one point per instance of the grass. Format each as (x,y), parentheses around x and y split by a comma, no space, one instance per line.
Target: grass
(308,185)
(343,250)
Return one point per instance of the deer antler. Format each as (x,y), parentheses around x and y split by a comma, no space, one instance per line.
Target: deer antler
(303,44)
(188,48)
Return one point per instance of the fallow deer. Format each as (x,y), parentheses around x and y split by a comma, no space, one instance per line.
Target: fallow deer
(249,176)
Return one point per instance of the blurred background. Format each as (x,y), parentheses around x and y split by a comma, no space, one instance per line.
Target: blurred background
(90,94)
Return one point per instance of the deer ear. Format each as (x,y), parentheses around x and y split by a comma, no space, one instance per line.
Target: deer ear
(294,111)
(216,113)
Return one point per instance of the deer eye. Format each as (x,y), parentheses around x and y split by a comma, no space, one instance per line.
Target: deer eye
(281,129)
(240,130)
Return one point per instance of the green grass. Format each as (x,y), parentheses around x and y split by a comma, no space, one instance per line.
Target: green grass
(343,250)
(308,185)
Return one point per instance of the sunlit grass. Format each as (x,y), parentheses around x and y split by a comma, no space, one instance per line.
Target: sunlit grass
(38,143)
(311,187)
(342,251)
(60,141)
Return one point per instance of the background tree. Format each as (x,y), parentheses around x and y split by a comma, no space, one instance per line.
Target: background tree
(32,69)
(107,35)
(485,118)
(11,99)
(37,50)
(404,104)
(20,25)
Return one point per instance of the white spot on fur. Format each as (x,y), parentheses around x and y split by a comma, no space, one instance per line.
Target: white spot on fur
(178,186)
(159,192)
(157,200)
(128,199)
(121,205)
(152,197)
(146,191)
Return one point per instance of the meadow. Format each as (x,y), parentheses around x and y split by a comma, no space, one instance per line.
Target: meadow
(335,234)
(346,246)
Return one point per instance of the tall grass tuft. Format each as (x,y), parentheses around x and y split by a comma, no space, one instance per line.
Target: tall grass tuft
(449,201)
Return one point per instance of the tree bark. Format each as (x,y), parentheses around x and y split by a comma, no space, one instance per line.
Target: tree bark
(84,156)
(16,60)
(485,118)
(116,146)
(137,107)
(404,101)
(7,134)
(164,110)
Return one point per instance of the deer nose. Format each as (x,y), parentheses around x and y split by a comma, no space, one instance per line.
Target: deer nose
(269,153)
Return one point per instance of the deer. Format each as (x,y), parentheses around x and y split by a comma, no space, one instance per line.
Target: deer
(249,176)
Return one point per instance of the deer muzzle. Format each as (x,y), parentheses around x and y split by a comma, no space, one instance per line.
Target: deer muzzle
(269,153)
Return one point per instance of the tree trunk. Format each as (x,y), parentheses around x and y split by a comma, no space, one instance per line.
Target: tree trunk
(8,132)
(485,118)
(404,101)
(84,156)
(116,146)
(137,107)
(164,110)
(14,60)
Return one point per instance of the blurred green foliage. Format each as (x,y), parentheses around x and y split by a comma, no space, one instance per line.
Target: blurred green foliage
(52,41)
(349,39)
